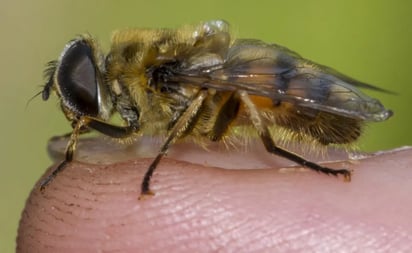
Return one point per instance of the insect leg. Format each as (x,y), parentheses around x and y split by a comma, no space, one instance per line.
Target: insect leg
(79,128)
(225,116)
(67,135)
(183,123)
(272,148)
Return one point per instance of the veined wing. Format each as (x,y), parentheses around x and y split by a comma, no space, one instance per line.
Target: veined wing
(280,74)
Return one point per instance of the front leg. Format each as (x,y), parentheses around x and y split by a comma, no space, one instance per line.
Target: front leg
(86,122)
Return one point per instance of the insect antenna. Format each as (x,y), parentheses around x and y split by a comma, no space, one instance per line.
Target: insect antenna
(32,98)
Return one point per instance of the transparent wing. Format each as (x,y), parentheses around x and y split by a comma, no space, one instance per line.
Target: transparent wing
(276,72)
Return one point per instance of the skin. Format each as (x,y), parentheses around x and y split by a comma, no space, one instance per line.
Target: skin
(219,201)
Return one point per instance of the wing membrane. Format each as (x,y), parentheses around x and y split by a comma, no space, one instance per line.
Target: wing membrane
(276,72)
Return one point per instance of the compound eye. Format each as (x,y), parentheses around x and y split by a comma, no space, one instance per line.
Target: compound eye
(78,79)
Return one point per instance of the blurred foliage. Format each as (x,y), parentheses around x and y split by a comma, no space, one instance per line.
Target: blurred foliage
(369,40)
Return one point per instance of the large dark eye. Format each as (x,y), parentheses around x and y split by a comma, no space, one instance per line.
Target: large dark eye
(78,79)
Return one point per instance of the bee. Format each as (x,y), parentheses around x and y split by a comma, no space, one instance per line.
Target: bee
(199,83)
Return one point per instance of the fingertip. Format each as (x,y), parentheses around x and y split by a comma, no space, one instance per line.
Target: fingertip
(95,207)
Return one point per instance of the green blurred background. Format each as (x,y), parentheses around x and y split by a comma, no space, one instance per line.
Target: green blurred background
(369,40)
